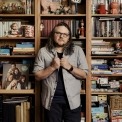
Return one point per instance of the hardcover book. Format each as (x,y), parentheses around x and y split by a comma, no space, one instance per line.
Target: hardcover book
(15,76)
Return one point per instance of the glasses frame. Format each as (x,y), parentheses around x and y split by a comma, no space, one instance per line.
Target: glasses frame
(65,35)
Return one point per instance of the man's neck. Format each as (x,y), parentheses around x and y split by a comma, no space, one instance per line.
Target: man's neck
(59,49)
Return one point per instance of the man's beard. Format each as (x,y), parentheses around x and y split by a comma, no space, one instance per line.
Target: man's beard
(58,45)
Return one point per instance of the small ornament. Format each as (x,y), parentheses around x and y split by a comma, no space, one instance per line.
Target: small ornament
(76,4)
(82,31)
(114,7)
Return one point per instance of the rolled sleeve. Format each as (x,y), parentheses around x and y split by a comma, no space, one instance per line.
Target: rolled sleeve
(82,62)
(39,62)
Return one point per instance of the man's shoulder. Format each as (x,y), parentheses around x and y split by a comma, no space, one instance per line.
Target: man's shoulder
(76,47)
(43,49)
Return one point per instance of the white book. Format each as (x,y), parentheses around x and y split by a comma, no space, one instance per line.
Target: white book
(107,23)
(30,7)
(107,18)
(120,7)
(22,111)
(98,61)
(1,29)
(27,7)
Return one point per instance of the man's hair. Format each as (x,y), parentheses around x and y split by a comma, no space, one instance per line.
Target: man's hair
(68,49)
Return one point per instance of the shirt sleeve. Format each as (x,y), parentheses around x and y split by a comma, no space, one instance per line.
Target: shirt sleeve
(39,62)
(82,62)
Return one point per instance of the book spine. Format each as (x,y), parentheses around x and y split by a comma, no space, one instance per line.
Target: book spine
(18,113)
(22,111)
(27,111)
(1,29)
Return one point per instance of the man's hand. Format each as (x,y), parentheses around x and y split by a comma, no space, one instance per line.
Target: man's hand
(55,63)
(65,64)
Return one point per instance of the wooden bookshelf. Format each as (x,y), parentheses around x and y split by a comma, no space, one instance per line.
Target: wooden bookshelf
(35,18)
(110,38)
(26,19)
(29,91)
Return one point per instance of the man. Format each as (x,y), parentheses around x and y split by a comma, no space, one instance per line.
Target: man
(60,66)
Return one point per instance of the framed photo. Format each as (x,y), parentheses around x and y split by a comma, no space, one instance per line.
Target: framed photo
(15,76)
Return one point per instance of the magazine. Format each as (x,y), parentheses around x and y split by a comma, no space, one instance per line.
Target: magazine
(15,76)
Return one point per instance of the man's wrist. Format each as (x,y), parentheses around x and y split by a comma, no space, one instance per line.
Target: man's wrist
(70,69)
(52,68)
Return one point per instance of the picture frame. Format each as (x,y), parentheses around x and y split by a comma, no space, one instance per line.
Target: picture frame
(15,76)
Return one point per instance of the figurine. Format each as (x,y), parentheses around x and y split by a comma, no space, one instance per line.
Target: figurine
(82,30)
(45,6)
(41,27)
(14,32)
(76,2)
(114,8)
(101,9)
(14,29)
(117,47)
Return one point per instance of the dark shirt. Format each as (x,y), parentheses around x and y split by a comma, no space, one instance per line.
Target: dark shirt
(60,94)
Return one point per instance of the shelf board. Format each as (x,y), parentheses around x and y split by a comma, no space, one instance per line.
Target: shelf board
(17,56)
(112,75)
(29,91)
(17,15)
(108,93)
(29,75)
(62,15)
(11,38)
(106,15)
(117,56)
(72,38)
(110,38)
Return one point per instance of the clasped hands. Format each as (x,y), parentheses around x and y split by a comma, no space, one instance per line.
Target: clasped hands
(63,62)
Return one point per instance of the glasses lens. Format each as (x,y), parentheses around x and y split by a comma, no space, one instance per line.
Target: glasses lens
(62,34)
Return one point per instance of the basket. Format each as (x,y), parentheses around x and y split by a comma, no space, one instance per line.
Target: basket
(115,102)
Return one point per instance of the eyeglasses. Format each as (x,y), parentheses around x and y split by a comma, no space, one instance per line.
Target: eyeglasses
(65,35)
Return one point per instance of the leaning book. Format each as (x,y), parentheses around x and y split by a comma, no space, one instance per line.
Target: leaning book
(15,76)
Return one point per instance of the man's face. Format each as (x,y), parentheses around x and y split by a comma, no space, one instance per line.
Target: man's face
(61,36)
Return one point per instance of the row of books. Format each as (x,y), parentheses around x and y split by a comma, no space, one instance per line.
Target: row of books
(103,66)
(104,84)
(99,108)
(106,27)
(17,109)
(75,25)
(100,47)
(102,111)
(23,48)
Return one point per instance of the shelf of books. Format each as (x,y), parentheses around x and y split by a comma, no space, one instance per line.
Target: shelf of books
(106,61)
(17,54)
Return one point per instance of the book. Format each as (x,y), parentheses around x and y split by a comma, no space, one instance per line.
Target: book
(15,76)
(18,113)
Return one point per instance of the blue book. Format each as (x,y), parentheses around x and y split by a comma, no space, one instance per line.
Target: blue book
(4,51)
(24,45)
